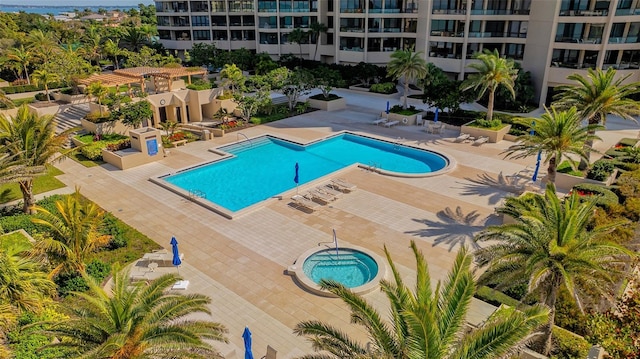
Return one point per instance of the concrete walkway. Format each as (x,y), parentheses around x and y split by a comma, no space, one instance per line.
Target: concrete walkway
(240,263)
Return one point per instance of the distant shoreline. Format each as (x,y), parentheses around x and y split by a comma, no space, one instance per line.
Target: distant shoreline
(57,9)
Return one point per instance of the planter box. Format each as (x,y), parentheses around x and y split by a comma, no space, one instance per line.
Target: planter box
(69,98)
(48,110)
(411,119)
(333,105)
(94,107)
(510,138)
(566,181)
(105,127)
(494,136)
(217,132)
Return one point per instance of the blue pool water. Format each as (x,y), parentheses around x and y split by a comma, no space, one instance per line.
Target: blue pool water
(264,167)
(350,267)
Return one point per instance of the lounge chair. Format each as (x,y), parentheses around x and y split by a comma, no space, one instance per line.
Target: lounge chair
(301,201)
(391,123)
(463,137)
(480,140)
(379,121)
(318,196)
(342,185)
(329,190)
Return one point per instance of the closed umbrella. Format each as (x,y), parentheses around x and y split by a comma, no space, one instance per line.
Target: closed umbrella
(387,107)
(246,335)
(296,178)
(535,172)
(176,261)
(435,118)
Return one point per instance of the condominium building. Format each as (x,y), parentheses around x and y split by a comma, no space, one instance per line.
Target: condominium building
(550,38)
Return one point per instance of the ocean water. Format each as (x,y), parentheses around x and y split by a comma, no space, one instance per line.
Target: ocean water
(56,10)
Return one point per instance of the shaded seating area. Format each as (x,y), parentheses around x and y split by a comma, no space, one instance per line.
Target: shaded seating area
(302,202)
(161,258)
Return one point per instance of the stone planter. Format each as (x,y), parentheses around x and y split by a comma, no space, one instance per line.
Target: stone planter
(493,135)
(333,105)
(566,181)
(410,119)
(217,132)
(105,127)
(94,107)
(510,138)
(68,98)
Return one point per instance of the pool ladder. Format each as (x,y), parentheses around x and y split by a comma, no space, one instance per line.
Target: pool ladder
(373,166)
(196,193)
(245,136)
(396,145)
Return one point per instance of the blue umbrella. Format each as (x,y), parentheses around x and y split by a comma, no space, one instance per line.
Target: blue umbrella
(246,335)
(176,254)
(535,172)
(387,107)
(532,131)
(435,118)
(296,179)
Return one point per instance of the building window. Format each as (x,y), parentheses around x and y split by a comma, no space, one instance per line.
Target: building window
(410,25)
(330,22)
(268,22)
(518,29)
(164,34)
(217,6)
(374,44)
(351,44)
(515,51)
(248,20)
(267,6)
(268,39)
(240,5)
(199,6)
(220,35)
(351,25)
(164,21)
(200,20)
(569,32)
(495,28)
(235,20)
(351,6)
(218,20)
(201,35)
(392,25)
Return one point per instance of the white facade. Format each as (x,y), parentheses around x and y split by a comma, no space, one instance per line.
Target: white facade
(550,38)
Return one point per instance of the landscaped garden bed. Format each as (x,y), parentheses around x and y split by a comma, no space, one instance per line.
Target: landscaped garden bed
(494,130)
(91,145)
(41,184)
(331,103)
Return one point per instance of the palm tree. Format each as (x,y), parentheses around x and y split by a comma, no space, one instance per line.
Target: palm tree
(557,136)
(599,94)
(23,284)
(232,77)
(8,318)
(74,233)
(424,323)
(97,90)
(134,38)
(31,143)
(493,72)
(553,244)
(408,65)
(316,29)
(42,43)
(6,101)
(112,48)
(92,42)
(23,57)
(45,77)
(299,37)
(139,320)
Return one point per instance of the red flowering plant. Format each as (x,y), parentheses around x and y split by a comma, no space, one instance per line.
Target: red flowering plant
(177,136)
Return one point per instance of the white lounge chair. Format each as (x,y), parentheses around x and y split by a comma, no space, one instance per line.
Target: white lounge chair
(318,196)
(463,137)
(329,190)
(301,201)
(379,121)
(391,123)
(480,140)
(342,185)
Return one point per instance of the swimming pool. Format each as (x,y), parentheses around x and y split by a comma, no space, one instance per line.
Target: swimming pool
(350,267)
(263,167)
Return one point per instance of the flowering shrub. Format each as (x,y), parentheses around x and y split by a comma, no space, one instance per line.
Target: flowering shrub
(177,136)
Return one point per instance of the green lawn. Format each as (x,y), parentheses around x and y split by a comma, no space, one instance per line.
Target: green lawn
(7,240)
(81,159)
(45,183)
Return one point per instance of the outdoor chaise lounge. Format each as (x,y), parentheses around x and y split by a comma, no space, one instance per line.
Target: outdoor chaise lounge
(342,185)
(391,123)
(301,201)
(330,191)
(379,121)
(480,140)
(162,258)
(320,197)
(463,137)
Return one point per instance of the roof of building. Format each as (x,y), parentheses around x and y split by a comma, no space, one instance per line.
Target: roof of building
(136,74)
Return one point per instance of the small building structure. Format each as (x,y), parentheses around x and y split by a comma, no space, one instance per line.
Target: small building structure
(146,147)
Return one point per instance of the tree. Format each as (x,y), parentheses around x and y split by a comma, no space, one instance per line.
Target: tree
(292,84)
(325,79)
(134,114)
(135,38)
(425,323)
(316,29)
(111,48)
(409,66)
(250,104)
(42,43)
(69,65)
(492,72)
(442,93)
(299,37)
(139,320)
(557,136)
(232,76)
(5,101)
(552,244)
(203,54)
(98,91)
(44,77)
(599,94)
(92,45)
(74,233)
(31,143)
(23,57)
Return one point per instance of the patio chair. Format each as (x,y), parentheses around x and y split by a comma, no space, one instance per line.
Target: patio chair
(342,185)
(303,202)
(379,121)
(391,123)
(480,140)
(329,190)
(271,353)
(317,196)
(463,137)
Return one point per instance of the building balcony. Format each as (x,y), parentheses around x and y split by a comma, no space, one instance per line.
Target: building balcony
(584,12)
(623,40)
(627,12)
(579,40)
(449,11)
(499,12)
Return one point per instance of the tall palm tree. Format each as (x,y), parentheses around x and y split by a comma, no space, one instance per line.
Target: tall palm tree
(316,29)
(112,48)
(134,38)
(232,77)
(42,43)
(92,45)
(139,320)
(553,244)
(299,37)
(74,233)
(23,283)
(31,142)
(44,77)
(6,101)
(557,135)
(23,57)
(99,91)
(408,65)
(424,323)
(493,72)
(8,318)
(599,94)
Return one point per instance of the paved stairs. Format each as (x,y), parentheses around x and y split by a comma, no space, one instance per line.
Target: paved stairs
(69,116)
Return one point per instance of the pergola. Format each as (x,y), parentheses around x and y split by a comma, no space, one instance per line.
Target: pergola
(137,75)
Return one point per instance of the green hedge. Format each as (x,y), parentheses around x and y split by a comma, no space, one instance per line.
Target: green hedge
(384,88)
(604,197)
(27,88)
(565,167)
(93,149)
(569,345)
(495,297)
(601,170)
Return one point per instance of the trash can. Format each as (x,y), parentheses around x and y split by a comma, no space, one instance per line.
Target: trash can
(419,120)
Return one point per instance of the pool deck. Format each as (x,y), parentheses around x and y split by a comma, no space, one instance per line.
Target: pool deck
(241,263)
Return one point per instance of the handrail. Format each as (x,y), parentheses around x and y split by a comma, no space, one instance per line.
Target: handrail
(245,136)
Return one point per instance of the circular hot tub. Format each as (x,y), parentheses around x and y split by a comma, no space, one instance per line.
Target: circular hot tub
(355,268)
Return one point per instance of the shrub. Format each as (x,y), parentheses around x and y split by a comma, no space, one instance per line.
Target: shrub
(13,219)
(96,117)
(411,110)
(93,151)
(41,96)
(112,227)
(565,167)
(632,208)
(628,185)
(495,297)
(604,197)
(70,282)
(568,345)
(384,88)
(199,85)
(601,170)
(98,269)
(492,124)
(321,97)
